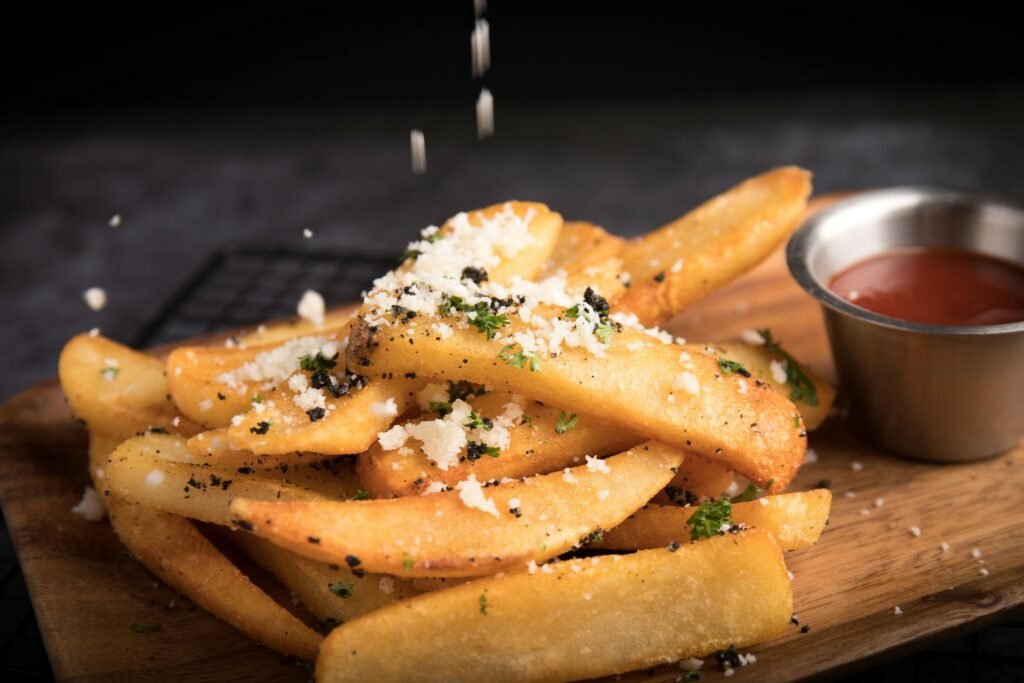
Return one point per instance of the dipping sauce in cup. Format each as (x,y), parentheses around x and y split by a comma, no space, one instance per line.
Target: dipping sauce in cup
(922,292)
(935,286)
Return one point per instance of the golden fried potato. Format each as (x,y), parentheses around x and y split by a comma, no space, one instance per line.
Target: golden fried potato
(196,376)
(678,395)
(331,592)
(535,448)
(117,391)
(148,470)
(350,425)
(212,448)
(811,395)
(679,264)
(579,620)
(172,549)
(442,535)
(581,244)
(699,476)
(278,332)
(796,520)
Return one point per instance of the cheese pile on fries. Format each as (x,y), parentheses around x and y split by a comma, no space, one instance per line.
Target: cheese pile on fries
(496,466)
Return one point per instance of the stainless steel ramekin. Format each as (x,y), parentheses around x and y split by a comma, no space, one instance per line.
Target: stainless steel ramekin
(948,394)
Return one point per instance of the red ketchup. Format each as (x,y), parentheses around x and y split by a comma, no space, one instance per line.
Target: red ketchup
(936,286)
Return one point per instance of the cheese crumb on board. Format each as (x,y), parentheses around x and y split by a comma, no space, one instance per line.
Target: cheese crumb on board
(90,508)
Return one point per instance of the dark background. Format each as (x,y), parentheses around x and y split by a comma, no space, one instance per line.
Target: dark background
(205,126)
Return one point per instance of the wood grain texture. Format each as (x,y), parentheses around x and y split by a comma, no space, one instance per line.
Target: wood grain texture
(87,591)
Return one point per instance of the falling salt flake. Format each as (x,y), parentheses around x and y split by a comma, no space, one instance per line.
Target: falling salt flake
(811,457)
(95,298)
(115,221)
(983,571)
(915,531)
(976,553)
(484,114)
(944,546)
(752,337)
(311,307)
(480,47)
(879,502)
(856,466)
(897,611)
(94,332)
(307,233)
(418,149)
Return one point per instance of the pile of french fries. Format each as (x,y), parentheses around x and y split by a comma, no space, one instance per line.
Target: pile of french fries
(496,467)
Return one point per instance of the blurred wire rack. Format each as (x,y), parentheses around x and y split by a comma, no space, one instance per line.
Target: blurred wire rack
(242,286)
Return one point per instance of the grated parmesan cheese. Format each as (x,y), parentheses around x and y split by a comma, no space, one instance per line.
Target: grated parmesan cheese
(597,465)
(778,370)
(471,493)
(90,508)
(688,382)
(382,409)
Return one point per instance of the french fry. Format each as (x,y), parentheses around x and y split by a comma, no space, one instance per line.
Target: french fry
(699,476)
(677,395)
(584,619)
(276,333)
(172,549)
(440,535)
(117,391)
(212,448)
(796,520)
(758,361)
(331,592)
(195,375)
(579,245)
(350,425)
(535,447)
(679,264)
(148,470)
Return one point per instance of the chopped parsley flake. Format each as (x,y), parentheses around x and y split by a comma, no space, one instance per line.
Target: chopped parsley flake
(729,367)
(801,388)
(479,315)
(110,372)
(694,676)
(408,563)
(361,495)
(317,363)
(477,422)
(146,628)
(341,589)
(483,604)
(257,399)
(565,423)
(520,359)
(709,518)
(751,492)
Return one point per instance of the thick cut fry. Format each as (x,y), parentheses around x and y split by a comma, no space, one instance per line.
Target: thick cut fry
(796,520)
(701,477)
(677,395)
(276,333)
(535,447)
(331,592)
(440,535)
(350,425)
(196,376)
(212,448)
(148,470)
(682,262)
(580,245)
(758,361)
(117,391)
(173,549)
(582,620)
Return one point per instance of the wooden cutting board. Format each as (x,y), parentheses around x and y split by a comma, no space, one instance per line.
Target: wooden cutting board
(87,591)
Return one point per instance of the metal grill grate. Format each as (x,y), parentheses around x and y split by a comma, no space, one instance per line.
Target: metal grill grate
(243,286)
